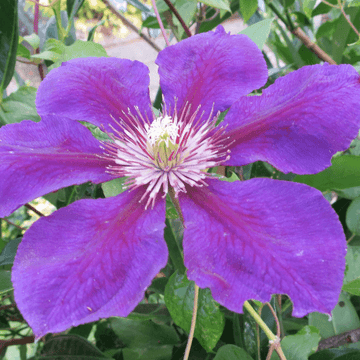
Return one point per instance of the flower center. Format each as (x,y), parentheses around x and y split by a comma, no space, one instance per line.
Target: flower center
(172,150)
(162,135)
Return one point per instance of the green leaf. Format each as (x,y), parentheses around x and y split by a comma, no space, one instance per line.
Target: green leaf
(179,299)
(80,49)
(218,4)
(143,334)
(173,235)
(301,345)
(336,354)
(155,353)
(342,35)
(8,253)
(72,7)
(93,29)
(33,40)
(114,187)
(23,52)
(343,173)
(353,216)
(259,32)
(344,318)
(232,352)
(20,105)
(5,281)
(70,347)
(308,6)
(248,8)
(352,264)
(9,33)
(353,287)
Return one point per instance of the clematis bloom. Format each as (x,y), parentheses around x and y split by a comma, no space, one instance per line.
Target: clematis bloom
(244,240)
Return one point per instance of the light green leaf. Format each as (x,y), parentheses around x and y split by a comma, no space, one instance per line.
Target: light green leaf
(308,6)
(258,32)
(218,4)
(344,318)
(232,352)
(33,40)
(352,264)
(114,187)
(20,105)
(248,8)
(353,216)
(80,49)
(343,173)
(179,299)
(301,345)
(353,287)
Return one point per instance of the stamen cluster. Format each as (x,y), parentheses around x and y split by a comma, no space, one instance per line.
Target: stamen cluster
(171,150)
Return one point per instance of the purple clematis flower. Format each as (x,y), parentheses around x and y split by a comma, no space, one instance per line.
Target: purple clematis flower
(243,240)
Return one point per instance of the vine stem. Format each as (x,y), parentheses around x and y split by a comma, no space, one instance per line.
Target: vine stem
(176,13)
(160,22)
(273,339)
(36,31)
(193,323)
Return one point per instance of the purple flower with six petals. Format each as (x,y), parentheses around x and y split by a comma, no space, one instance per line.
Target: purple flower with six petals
(244,240)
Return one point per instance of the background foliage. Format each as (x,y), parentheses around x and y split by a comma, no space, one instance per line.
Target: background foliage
(291,33)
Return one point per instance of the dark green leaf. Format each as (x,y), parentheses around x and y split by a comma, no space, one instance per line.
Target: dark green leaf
(248,8)
(20,105)
(9,33)
(5,281)
(232,352)
(70,345)
(352,264)
(173,235)
(336,354)
(179,299)
(143,334)
(72,7)
(154,353)
(8,254)
(343,173)
(301,345)
(322,8)
(93,29)
(353,216)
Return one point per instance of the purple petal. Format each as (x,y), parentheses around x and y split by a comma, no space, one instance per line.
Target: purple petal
(38,158)
(97,90)
(209,68)
(91,260)
(299,122)
(248,240)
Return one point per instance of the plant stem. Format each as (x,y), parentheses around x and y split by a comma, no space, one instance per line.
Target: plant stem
(176,13)
(130,25)
(30,207)
(160,22)
(36,31)
(193,322)
(273,339)
(57,11)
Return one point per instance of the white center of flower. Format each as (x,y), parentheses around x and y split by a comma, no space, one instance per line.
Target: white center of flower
(162,129)
(168,151)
